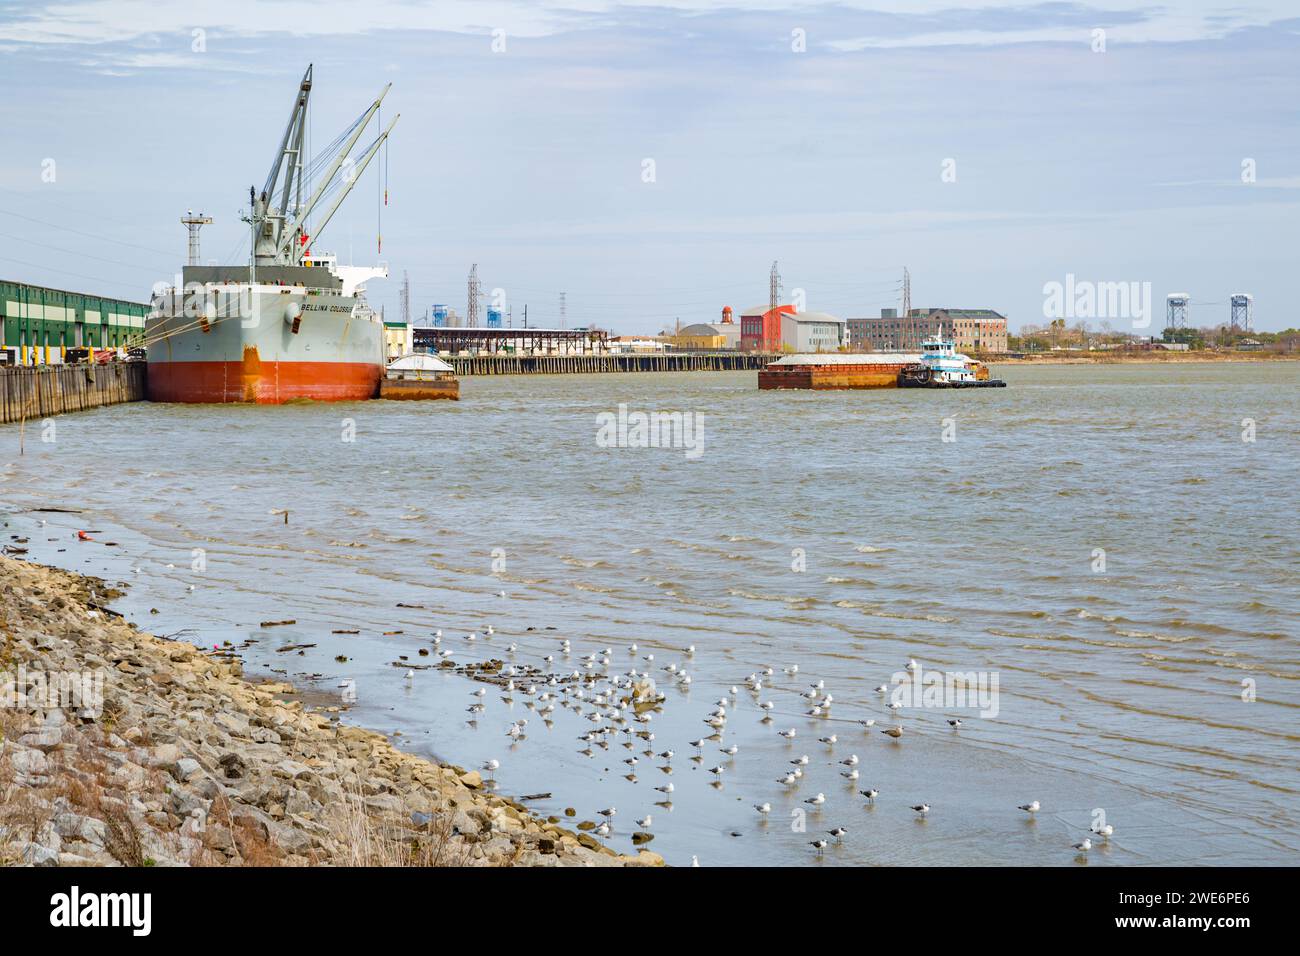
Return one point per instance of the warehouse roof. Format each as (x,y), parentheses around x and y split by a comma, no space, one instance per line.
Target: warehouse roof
(764,309)
(815,317)
(699,328)
(968,313)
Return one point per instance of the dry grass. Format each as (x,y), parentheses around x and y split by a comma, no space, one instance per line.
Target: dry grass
(122,837)
(367,841)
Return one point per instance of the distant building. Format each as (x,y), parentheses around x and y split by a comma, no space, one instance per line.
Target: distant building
(398,340)
(700,336)
(707,335)
(978,330)
(811,332)
(637,344)
(39,325)
(783,329)
(760,328)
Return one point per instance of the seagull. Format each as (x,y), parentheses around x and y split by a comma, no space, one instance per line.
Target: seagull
(607,813)
(1104,830)
(818,845)
(763,808)
(788,779)
(816,801)
(1083,846)
(800,761)
(868,723)
(492,765)
(787,734)
(666,788)
(602,830)
(911,665)
(730,751)
(894,732)
(849,775)
(717,771)
(1030,807)
(838,833)
(850,761)
(922,808)
(870,794)
(954,724)
(410,675)
(829,741)
(645,824)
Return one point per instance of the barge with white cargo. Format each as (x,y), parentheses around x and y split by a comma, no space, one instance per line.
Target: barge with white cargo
(937,365)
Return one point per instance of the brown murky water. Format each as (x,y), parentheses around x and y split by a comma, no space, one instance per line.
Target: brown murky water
(836,531)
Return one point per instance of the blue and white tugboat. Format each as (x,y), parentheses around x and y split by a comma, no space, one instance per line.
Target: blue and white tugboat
(943,367)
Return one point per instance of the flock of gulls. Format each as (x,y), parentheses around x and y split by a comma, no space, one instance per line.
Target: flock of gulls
(620,702)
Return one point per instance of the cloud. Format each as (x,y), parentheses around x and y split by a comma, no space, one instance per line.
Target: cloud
(922,23)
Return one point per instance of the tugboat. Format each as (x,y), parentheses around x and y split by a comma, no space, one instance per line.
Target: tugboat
(942,367)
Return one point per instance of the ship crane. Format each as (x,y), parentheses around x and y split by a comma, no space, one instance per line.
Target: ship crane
(279,236)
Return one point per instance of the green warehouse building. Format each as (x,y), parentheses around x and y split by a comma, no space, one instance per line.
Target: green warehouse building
(39,325)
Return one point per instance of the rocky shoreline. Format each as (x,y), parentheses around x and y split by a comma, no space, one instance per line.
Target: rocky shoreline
(160,754)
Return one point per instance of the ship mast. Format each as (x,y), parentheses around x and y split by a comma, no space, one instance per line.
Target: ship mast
(279,235)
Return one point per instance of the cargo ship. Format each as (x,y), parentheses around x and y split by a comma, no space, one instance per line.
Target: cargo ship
(847,370)
(289,324)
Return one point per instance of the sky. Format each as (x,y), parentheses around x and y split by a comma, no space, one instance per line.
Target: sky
(651,160)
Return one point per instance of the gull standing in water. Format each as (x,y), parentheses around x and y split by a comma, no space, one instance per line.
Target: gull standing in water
(922,808)
(818,845)
(870,794)
(838,833)
(1030,807)
(1083,846)
(816,801)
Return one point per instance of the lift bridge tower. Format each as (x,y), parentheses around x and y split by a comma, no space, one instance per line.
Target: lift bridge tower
(1243,311)
(1176,310)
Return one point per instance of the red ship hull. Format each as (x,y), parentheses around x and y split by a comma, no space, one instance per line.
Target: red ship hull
(262,383)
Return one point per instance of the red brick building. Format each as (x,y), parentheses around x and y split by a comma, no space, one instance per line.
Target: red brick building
(760,328)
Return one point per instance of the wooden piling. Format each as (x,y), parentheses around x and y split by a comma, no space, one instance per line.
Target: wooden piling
(54,389)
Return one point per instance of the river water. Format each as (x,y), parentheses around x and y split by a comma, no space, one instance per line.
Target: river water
(1103,542)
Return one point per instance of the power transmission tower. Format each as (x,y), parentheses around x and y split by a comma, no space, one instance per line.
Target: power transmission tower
(563,312)
(475,294)
(406,297)
(909,325)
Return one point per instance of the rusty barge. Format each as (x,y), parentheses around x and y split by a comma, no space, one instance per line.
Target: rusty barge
(937,365)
